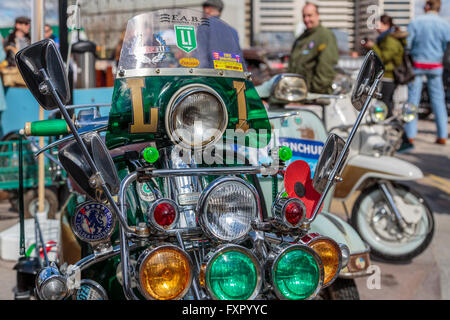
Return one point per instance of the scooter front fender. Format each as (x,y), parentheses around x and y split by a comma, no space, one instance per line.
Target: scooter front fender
(360,168)
(334,227)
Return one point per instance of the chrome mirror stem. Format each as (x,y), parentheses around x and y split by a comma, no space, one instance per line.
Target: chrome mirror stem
(332,176)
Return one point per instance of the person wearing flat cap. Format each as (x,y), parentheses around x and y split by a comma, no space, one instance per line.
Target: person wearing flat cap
(213,7)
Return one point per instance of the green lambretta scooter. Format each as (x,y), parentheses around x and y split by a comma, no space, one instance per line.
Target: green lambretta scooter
(165,205)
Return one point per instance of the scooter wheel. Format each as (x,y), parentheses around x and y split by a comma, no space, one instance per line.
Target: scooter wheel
(343,289)
(372,218)
(30,200)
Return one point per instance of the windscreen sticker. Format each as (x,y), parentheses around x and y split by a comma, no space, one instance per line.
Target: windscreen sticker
(306,150)
(139,50)
(189,62)
(186,39)
(227,61)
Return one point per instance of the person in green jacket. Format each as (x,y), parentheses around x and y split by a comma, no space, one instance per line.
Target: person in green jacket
(315,53)
(390,49)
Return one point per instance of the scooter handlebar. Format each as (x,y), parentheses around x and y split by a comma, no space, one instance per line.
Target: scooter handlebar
(45,128)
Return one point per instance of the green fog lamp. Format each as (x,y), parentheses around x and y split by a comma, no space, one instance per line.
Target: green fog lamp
(233,274)
(285,153)
(297,273)
(150,155)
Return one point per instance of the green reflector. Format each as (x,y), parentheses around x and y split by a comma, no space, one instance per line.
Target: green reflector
(285,153)
(296,274)
(232,276)
(150,154)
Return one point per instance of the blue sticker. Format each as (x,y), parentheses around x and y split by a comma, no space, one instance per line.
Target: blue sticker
(306,150)
(305,52)
(93,222)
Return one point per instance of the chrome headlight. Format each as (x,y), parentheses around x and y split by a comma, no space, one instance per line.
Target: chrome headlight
(227,208)
(409,112)
(290,88)
(196,117)
(378,112)
(51,285)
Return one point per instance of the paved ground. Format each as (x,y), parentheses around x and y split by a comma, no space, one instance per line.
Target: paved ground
(426,277)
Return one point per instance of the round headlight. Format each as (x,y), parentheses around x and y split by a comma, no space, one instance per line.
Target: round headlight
(196,117)
(331,256)
(378,112)
(232,273)
(227,208)
(51,285)
(297,272)
(409,112)
(291,88)
(165,273)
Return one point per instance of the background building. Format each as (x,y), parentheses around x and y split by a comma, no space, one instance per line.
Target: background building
(366,11)
(275,22)
(105,20)
(339,15)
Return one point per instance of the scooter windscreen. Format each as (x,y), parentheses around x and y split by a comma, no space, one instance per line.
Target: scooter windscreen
(181,76)
(177,38)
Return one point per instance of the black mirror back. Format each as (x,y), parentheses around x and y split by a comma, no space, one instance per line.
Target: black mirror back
(371,69)
(44,55)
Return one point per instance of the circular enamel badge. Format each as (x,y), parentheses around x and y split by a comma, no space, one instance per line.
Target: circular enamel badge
(90,290)
(93,222)
(145,193)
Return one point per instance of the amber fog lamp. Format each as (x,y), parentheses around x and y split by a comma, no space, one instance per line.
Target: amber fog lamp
(165,273)
(330,254)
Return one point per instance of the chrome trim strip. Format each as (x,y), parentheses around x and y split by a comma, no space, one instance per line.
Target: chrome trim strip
(195,72)
(162,173)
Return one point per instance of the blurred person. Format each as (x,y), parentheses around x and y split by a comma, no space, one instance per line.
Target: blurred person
(213,8)
(315,53)
(48,34)
(18,39)
(427,41)
(212,37)
(390,50)
(2,93)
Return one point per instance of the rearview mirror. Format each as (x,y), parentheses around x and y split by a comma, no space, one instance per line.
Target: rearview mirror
(43,55)
(327,161)
(72,160)
(372,68)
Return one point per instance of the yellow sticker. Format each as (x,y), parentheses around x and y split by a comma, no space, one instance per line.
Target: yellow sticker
(227,65)
(322,47)
(189,62)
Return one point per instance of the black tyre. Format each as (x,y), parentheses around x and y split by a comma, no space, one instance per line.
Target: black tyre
(377,226)
(30,199)
(342,289)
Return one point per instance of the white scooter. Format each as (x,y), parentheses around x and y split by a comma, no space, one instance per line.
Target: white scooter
(391,217)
